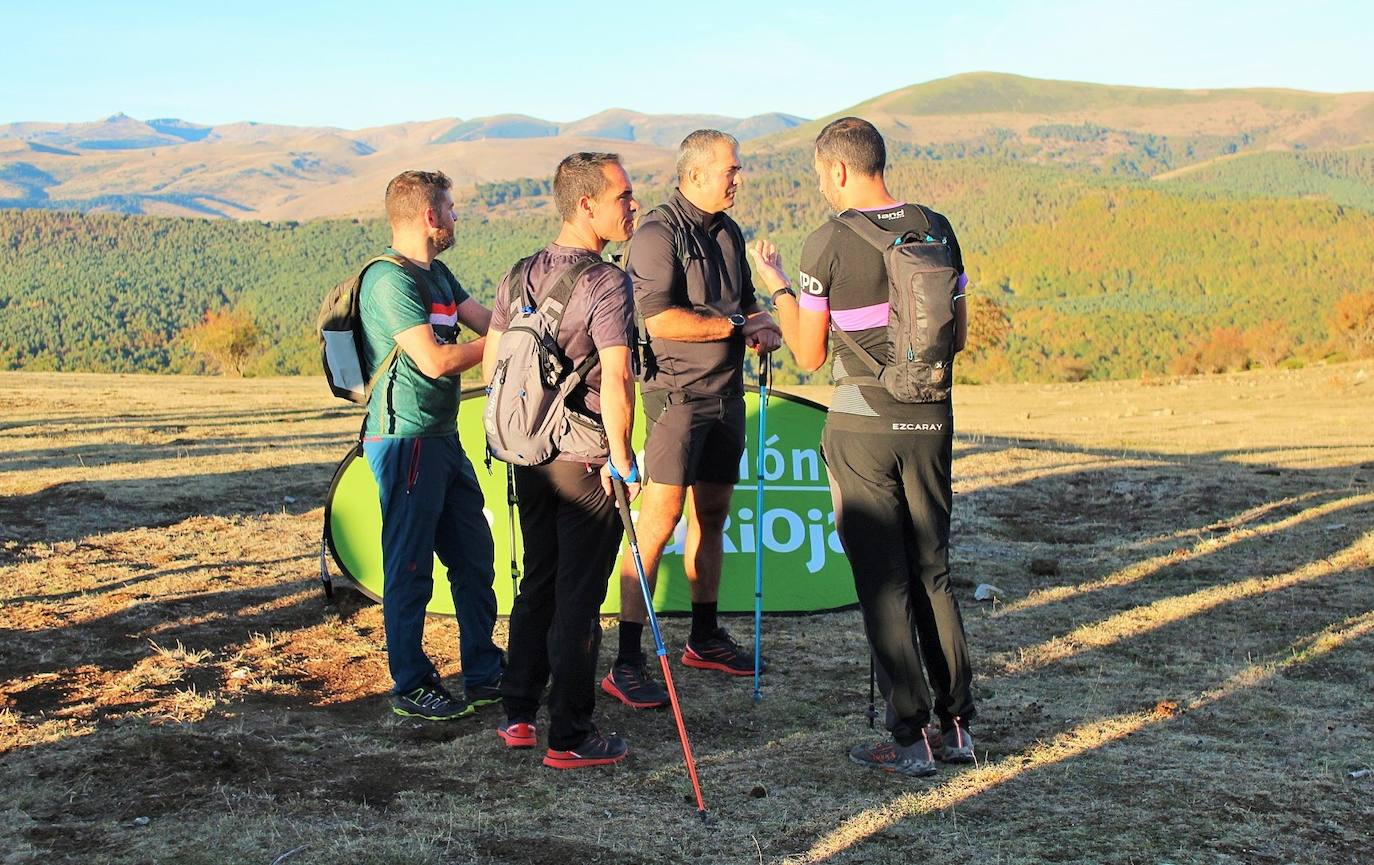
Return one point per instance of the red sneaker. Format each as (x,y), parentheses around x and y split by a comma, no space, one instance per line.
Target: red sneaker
(518,734)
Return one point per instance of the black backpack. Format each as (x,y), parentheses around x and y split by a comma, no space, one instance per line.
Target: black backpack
(922,287)
(339,327)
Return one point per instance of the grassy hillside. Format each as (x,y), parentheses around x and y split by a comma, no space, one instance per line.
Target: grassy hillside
(997,93)
(1343,176)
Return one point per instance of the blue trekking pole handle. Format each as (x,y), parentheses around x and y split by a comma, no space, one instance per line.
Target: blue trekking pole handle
(765,372)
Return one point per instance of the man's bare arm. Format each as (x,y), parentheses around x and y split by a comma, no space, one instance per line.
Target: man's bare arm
(435,360)
(684,325)
(475,316)
(489,353)
(804,331)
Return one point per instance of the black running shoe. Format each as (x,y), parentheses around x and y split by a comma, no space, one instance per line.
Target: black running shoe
(597,750)
(431,702)
(915,761)
(632,685)
(484,695)
(720,652)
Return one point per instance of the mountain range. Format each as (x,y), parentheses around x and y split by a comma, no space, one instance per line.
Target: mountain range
(266,171)
(274,172)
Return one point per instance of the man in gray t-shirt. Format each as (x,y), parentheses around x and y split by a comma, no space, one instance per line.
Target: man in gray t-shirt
(693,290)
(568,517)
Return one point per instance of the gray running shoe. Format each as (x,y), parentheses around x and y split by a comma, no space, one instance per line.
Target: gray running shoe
(954,745)
(914,761)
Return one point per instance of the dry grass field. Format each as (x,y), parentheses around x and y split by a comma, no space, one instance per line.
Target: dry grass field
(1177,670)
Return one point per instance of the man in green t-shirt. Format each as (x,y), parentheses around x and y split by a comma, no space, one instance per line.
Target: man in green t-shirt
(431,503)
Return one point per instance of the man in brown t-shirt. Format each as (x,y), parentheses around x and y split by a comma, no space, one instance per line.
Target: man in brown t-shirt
(568,517)
(693,291)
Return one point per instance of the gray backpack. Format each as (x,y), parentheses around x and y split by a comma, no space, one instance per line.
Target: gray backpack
(922,287)
(528,421)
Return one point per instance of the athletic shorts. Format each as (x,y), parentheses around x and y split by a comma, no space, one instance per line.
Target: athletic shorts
(693,438)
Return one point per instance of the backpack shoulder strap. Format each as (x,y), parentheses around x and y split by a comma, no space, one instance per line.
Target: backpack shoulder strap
(682,240)
(555,303)
(860,352)
(864,227)
(426,300)
(520,294)
(929,217)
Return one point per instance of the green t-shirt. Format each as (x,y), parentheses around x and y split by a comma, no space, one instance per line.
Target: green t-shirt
(406,403)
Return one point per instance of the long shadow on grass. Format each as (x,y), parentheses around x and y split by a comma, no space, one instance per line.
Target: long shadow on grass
(189,446)
(77,509)
(1140,508)
(183,420)
(1082,741)
(200,620)
(97,591)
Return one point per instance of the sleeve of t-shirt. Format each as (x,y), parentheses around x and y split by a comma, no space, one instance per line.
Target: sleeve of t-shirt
(651,265)
(500,310)
(817,261)
(390,301)
(460,294)
(611,319)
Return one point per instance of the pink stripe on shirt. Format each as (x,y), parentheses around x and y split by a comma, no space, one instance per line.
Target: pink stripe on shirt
(863,318)
(813,302)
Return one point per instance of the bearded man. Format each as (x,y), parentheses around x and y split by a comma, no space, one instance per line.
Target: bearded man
(431,503)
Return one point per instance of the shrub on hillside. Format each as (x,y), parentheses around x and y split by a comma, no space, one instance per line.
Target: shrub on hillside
(1268,343)
(1352,324)
(988,325)
(227,338)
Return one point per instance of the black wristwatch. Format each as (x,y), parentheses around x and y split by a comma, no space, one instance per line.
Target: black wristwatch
(738,319)
(786,289)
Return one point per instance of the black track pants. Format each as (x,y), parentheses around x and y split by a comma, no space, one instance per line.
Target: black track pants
(892,505)
(571,533)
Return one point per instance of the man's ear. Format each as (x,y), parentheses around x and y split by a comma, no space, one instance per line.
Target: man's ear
(431,217)
(839,172)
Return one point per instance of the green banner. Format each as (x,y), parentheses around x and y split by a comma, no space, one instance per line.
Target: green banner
(804,567)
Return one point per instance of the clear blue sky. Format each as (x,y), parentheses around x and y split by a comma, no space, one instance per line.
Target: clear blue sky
(356,64)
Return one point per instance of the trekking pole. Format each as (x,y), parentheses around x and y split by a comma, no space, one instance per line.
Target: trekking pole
(511,501)
(622,500)
(765,364)
(872,677)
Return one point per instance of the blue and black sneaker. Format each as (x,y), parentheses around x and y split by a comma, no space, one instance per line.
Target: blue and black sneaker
(431,702)
(488,692)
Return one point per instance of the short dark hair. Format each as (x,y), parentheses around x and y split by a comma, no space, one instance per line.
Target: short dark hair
(855,142)
(410,193)
(580,174)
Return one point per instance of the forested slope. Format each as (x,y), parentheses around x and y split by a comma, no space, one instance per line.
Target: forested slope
(1100,277)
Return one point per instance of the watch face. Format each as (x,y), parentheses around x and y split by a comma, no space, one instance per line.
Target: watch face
(738,319)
